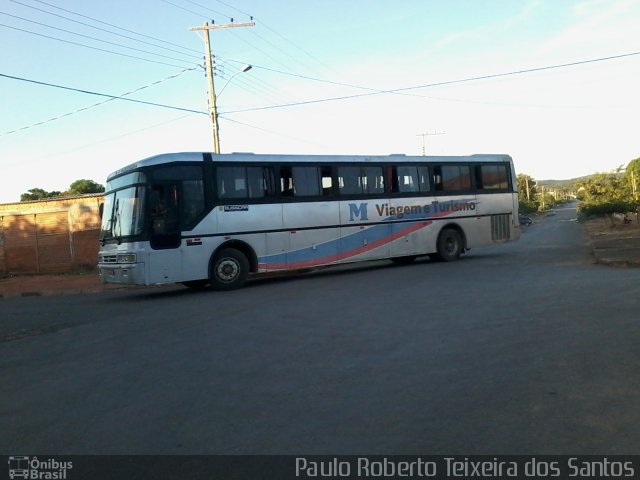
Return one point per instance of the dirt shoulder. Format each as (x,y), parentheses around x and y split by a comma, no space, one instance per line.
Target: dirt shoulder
(616,245)
(41,285)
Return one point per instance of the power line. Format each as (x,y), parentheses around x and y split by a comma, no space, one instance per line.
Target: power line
(321,80)
(233,7)
(119,97)
(90,47)
(94,27)
(259,50)
(450,82)
(279,134)
(182,8)
(93,38)
(279,49)
(110,139)
(276,47)
(210,9)
(264,24)
(239,83)
(439,84)
(121,28)
(89,92)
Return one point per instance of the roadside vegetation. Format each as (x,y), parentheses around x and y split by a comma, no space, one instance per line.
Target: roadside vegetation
(613,195)
(536,196)
(78,187)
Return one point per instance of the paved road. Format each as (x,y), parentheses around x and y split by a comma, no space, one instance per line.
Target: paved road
(523,348)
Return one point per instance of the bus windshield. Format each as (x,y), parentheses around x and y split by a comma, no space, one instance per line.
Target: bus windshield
(123,213)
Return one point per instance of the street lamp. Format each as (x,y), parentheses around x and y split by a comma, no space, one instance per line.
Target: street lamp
(245,69)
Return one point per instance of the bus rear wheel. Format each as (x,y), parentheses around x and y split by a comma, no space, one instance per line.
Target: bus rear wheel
(449,245)
(229,269)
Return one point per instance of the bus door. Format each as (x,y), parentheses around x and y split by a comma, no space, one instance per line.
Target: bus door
(165,234)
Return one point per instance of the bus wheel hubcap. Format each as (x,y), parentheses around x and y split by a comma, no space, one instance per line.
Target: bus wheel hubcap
(227,270)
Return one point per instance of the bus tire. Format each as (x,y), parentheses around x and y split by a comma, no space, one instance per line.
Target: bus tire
(229,269)
(449,245)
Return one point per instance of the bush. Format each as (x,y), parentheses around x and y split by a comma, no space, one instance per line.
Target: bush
(527,206)
(600,209)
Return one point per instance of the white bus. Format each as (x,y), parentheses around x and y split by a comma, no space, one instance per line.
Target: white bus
(204,219)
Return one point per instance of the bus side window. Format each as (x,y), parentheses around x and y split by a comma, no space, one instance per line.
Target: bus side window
(423,179)
(286,182)
(373,180)
(494,177)
(327,181)
(477,177)
(349,178)
(306,182)
(192,205)
(406,179)
(232,182)
(456,177)
(437,178)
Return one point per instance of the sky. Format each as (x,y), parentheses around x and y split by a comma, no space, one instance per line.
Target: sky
(553,83)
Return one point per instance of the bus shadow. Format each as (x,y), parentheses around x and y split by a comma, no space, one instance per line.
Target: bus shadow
(277,278)
(272,278)
(338,270)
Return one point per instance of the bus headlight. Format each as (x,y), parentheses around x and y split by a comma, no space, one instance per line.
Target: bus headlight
(126,258)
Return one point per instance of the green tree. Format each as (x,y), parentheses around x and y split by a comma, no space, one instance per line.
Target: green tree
(527,193)
(606,194)
(546,199)
(78,187)
(38,194)
(632,175)
(605,187)
(82,186)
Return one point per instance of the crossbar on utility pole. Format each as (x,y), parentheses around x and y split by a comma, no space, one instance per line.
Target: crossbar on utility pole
(213,110)
(424,142)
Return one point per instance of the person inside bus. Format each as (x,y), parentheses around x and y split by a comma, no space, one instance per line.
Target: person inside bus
(157,211)
(164,211)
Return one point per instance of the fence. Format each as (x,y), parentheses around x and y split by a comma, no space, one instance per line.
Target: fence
(50,236)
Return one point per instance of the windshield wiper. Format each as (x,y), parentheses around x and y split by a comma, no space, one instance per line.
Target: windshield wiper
(103,236)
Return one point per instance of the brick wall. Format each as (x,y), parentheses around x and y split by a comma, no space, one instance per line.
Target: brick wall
(50,236)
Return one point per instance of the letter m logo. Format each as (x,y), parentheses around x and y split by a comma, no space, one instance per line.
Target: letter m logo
(358,211)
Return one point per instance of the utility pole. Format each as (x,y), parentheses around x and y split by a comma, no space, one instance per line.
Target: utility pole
(424,141)
(213,110)
(526,179)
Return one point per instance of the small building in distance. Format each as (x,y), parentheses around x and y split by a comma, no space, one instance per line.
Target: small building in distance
(53,235)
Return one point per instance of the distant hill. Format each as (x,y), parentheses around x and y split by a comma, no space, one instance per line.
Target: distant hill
(563,183)
(570,183)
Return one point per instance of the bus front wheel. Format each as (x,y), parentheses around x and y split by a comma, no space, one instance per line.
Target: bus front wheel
(229,269)
(449,245)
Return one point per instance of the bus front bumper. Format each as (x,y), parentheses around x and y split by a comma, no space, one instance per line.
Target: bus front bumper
(126,274)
